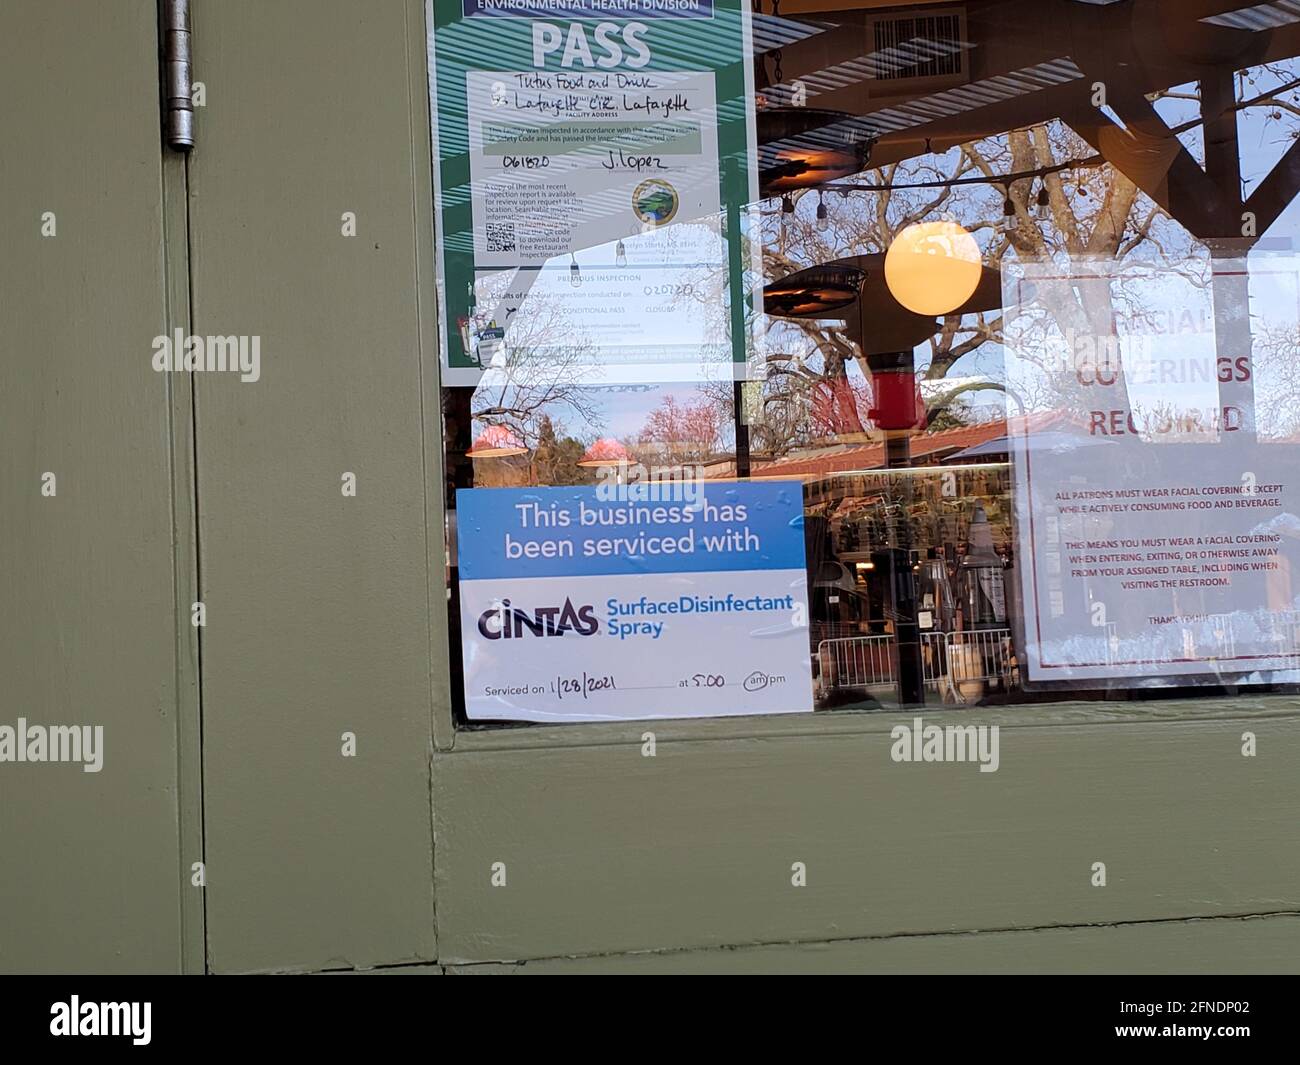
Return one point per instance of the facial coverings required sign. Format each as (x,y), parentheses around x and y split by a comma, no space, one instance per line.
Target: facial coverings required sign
(1157,471)
(578,608)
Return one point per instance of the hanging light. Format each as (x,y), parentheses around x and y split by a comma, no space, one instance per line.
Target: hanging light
(497,442)
(787,205)
(1009,220)
(604,452)
(1044,205)
(932,268)
(575,272)
(815,292)
(823,216)
(803,147)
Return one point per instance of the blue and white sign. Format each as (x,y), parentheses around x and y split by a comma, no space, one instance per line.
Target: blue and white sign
(576,607)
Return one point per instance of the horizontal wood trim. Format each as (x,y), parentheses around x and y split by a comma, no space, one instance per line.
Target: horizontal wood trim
(608,851)
(1217,947)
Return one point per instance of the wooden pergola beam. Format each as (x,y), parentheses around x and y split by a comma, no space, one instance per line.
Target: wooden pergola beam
(1101,41)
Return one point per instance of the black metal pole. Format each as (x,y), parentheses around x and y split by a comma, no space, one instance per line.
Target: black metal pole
(742,430)
(902,579)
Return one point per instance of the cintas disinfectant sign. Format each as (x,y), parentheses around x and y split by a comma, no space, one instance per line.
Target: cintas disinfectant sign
(578,608)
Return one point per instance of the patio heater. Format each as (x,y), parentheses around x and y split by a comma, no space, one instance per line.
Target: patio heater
(982,578)
(940,274)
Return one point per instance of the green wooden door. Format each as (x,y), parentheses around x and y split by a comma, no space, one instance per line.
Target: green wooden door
(96,501)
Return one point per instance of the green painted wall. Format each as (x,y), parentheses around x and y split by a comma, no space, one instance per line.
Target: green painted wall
(93,866)
(326,615)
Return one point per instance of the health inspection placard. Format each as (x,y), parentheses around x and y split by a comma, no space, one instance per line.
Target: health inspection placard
(594,180)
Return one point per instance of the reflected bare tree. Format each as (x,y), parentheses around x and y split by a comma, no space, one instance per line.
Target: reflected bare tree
(541,374)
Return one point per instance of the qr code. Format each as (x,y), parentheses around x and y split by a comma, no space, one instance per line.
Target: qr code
(501,236)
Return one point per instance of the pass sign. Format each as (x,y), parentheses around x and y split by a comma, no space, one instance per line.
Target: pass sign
(595,183)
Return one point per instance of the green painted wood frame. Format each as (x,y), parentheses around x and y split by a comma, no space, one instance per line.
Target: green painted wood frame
(328,615)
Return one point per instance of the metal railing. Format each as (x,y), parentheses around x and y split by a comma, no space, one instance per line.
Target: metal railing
(1209,637)
(857,662)
(1285,626)
(961,664)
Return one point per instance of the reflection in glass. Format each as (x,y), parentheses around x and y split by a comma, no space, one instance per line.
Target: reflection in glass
(1006,288)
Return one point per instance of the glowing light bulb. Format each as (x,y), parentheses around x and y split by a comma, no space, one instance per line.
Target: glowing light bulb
(932,268)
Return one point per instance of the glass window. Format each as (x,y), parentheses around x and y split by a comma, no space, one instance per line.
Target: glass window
(815,356)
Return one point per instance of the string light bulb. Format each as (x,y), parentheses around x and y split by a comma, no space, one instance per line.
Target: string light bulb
(1044,207)
(575,272)
(823,215)
(1009,220)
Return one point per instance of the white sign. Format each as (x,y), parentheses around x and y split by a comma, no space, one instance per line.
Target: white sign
(1157,505)
(566,160)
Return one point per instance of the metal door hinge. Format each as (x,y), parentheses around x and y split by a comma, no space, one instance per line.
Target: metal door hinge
(177,87)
